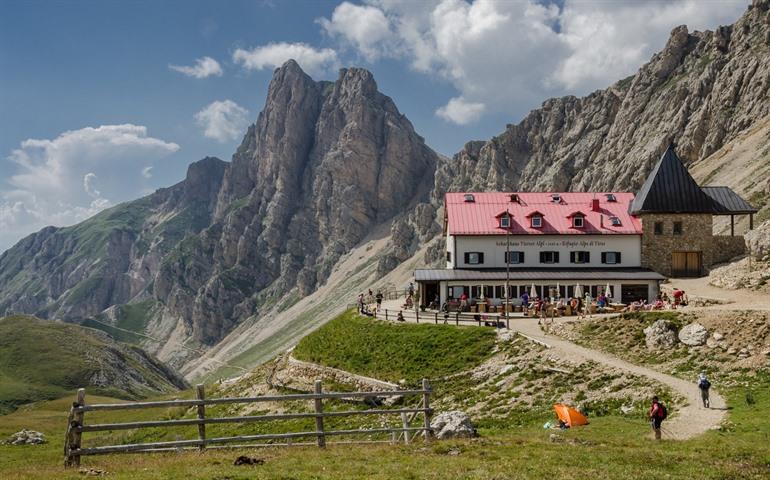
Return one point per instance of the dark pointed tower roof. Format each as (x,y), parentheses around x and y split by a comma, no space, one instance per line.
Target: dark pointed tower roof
(671,189)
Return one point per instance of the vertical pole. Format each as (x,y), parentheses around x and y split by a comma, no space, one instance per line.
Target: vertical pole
(435,318)
(426,406)
(75,435)
(386,314)
(417,315)
(507,268)
(405,423)
(751,221)
(201,394)
(732,225)
(319,419)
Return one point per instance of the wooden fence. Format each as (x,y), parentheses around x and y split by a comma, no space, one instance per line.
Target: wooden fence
(73,449)
(498,320)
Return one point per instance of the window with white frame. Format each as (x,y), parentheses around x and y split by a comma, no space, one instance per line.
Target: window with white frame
(536,221)
(505,221)
(549,257)
(611,258)
(514,257)
(577,221)
(474,258)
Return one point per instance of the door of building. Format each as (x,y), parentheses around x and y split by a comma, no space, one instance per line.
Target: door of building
(686,264)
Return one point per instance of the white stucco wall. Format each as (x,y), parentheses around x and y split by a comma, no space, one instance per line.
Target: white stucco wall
(494,248)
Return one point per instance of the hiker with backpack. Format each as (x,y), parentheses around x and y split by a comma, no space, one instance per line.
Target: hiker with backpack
(704,385)
(657,414)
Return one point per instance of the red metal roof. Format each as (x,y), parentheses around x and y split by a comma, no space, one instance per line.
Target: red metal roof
(480,217)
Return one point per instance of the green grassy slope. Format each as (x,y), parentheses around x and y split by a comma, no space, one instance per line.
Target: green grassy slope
(43,359)
(395,351)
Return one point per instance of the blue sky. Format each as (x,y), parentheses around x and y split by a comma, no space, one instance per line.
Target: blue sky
(93,114)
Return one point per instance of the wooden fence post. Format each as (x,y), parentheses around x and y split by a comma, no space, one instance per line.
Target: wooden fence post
(417,313)
(426,406)
(201,394)
(74,435)
(319,419)
(405,423)
(435,318)
(386,314)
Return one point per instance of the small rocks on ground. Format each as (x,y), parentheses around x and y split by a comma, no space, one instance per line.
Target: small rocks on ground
(92,472)
(26,437)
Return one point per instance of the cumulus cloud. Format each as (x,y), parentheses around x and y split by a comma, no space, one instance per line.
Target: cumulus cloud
(204,67)
(313,61)
(67,179)
(460,111)
(509,56)
(223,120)
(364,27)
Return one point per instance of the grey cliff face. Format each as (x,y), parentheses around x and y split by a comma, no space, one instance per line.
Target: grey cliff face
(323,165)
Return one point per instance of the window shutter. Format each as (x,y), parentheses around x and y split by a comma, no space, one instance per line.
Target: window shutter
(521,257)
(555,257)
(588,257)
(604,257)
(467,257)
(542,257)
(481,257)
(571,257)
(617,257)
(507,260)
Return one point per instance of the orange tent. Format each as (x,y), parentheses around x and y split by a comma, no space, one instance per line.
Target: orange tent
(569,415)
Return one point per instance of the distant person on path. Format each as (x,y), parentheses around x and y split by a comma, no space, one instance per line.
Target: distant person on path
(400,316)
(657,414)
(704,385)
(525,302)
(378,297)
(410,289)
(588,305)
(463,301)
(361,303)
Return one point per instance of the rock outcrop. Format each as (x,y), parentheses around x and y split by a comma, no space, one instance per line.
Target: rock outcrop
(26,437)
(660,335)
(693,334)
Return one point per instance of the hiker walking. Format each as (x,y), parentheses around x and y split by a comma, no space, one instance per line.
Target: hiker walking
(378,298)
(410,289)
(704,385)
(360,303)
(657,414)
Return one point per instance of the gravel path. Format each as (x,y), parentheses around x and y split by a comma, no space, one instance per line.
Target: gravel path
(686,422)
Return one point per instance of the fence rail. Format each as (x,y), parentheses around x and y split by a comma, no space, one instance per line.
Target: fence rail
(497,320)
(76,426)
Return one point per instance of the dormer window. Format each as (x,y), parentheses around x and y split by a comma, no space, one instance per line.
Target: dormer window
(505,221)
(556,198)
(611,197)
(615,221)
(577,221)
(536,221)
(469,198)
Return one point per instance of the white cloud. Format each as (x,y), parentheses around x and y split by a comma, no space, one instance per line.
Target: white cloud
(223,120)
(55,180)
(364,27)
(147,172)
(510,56)
(204,67)
(460,111)
(313,61)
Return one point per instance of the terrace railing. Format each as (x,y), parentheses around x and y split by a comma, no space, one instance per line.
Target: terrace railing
(77,426)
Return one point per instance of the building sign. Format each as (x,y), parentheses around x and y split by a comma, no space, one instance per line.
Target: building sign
(552,243)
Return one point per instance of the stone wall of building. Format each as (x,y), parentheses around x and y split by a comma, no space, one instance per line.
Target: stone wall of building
(725,248)
(696,236)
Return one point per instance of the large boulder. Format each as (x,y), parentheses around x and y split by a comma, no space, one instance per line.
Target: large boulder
(454,424)
(693,334)
(661,334)
(758,241)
